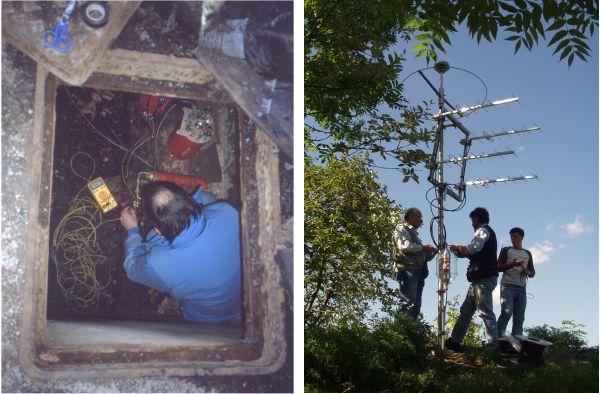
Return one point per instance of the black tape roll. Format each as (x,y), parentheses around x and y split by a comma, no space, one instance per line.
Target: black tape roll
(95,13)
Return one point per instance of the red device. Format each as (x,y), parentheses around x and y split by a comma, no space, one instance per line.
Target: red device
(194,130)
(153,105)
(180,180)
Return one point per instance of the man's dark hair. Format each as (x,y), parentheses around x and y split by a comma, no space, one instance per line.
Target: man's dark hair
(517,230)
(169,208)
(409,212)
(482,215)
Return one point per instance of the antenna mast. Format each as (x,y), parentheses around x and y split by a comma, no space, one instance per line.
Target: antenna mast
(458,192)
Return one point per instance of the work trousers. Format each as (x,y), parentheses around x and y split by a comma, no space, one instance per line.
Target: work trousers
(514,301)
(479,298)
(411,283)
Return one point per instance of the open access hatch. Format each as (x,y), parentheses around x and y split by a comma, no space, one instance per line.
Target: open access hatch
(91,321)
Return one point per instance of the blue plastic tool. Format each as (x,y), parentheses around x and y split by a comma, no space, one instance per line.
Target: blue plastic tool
(58,38)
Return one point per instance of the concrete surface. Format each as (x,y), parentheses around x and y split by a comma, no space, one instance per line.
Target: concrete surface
(18,86)
(88,45)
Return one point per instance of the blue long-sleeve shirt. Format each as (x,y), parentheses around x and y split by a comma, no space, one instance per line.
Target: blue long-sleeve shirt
(201,267)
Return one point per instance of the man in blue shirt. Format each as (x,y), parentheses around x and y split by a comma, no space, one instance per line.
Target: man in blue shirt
(192,252)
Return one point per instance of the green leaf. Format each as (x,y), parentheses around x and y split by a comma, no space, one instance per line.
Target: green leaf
(556,25)
(422,52)
(507,7)
(521,4)
(581,56)
(576,33)
(529,41)
(517,46)
(565,52)
(512,38)
(557,37)
(561,45)
(419,46)
(534,35)
(571,57)
(519,22)
(526,20)
(539,27)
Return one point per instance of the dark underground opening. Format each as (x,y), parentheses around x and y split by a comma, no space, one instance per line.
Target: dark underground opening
(122,137)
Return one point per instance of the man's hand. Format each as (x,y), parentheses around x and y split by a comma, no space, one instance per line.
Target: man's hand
(460,250)
(516,262)
(526,272)
(429,249)
(128,218)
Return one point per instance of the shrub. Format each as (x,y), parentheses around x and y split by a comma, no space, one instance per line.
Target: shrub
(569,338)
(366,357)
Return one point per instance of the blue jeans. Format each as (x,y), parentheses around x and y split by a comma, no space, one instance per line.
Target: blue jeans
(411,289)
(479,297)
(514,302)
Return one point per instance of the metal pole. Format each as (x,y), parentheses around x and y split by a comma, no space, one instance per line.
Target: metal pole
(441,241)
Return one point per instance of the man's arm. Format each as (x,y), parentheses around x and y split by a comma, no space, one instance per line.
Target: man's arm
(135,264)
(476,245)
(404,243)
(530,270)
(502,263)
(203,197)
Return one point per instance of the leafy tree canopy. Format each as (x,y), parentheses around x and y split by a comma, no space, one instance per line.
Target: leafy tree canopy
(350,74)
(348,228)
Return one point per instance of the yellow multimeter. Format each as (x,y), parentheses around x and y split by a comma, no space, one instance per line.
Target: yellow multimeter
(102,194)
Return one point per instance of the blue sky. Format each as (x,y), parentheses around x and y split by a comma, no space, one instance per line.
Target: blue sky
(559,211)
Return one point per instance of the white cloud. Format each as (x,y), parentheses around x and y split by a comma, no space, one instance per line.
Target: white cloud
(576,227)
(541,252)
(549,227)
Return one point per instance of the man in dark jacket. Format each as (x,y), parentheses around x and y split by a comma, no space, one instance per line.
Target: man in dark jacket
(483,275)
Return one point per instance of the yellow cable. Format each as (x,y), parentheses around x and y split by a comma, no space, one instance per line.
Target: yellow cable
(75,250)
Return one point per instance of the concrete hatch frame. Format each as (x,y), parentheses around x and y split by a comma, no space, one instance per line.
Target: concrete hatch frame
(101,349)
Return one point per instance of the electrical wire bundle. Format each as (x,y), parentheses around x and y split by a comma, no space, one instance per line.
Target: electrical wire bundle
(76,252)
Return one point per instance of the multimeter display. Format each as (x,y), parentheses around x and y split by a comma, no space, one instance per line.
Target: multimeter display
(96,183)
(102,195)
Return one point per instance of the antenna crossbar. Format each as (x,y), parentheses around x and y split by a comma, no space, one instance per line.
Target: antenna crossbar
(464,110)
(456,160)
(485,182)
(488,136)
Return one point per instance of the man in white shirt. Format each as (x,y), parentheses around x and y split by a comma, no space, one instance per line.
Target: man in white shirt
(410,261)
(483,275)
